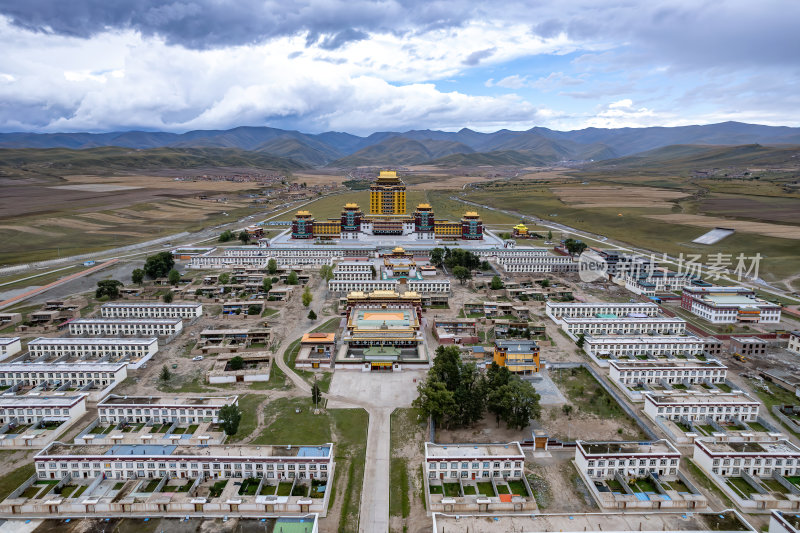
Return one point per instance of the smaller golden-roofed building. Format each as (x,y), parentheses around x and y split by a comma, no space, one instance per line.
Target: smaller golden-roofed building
(316,350)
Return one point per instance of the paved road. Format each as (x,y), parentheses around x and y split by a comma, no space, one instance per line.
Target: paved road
(375,491)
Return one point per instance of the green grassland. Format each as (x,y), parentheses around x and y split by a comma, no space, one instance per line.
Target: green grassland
(631,225)
(347,428)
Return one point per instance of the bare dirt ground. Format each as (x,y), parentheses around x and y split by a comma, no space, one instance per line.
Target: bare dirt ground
(583,426)
(758,228)
(149,181)
(486,430)
(619,196)
(564,491)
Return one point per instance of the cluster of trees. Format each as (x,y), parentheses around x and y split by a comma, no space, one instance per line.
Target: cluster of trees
(228,235)
(159,265)
(456,393)
(229,418)
(460,262)
(326,272)
(108,288)
(574,246)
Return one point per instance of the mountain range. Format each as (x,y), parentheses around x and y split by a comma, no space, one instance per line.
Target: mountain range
(536,146)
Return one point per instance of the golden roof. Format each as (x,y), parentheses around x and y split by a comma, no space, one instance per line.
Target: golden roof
(424,206)
(398,250)
(303,213)
(471,214)
(351,206)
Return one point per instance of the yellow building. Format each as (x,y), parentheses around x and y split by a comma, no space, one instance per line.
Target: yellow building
(387,196)
(519,356)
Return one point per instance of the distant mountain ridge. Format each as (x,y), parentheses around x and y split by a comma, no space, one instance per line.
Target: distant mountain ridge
(504,147)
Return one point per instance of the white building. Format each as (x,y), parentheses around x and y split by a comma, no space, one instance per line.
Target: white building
(604,460)
(691,405)
(473,461)
(794,342)
(160,327)
(31,408)
(103,376)
(137,351)
(115,409)
(556,310)
(652,282)
(649,325)
(151,310)
(732,459)
(670,371)
(784,522)
(127,461)
(610,345)
(9,346)
(729,305)
(421,286)
(537,263)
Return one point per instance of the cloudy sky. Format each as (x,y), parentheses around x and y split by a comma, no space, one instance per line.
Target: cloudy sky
(363,66)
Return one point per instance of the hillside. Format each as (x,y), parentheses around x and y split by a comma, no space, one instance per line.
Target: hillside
(400,151)
(491,159)
(105,159)
(340,149)
(681,157)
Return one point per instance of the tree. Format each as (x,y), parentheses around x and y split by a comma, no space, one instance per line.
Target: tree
(226,236)
(307,297)
(550,235)
(574,247)
(266,285)
(581,340)
(372,271)
(434,400)
(316,394)
(137,276)
(165,375)
(108,288)
(292,279)
(236,363)
(505,236)
(229,418)
(157,266)
(566,409)
(462,274)
(485,265)
(437,257)
(168,296)
(326,272)
(515,403)
(224,278)
(244,237)
(545,283)
(312,315)
(174,277)
(496,284)
(272,266)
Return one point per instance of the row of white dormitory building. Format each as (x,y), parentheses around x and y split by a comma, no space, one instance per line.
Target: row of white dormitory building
(128,461)
(30,408)
(622,345)
(189,311)
(137,351)
(114,409)
(646,325)
(101,374)
(159,327)
(603,460)
(474,461)
(557,310)
(9,346)
(630,372)
(420,286)
(694,405)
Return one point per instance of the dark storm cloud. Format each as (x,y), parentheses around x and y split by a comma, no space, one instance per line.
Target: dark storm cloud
(211,23)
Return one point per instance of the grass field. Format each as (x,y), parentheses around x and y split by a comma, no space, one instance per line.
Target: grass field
(404,427)
(634,226)
(346,427)
(248,404)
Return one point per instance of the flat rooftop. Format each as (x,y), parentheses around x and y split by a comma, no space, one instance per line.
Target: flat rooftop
(59,449)
(691,397)
(727,521)
(644,339)
(102,320)
(780,446)
(5,341)
(614,319)
(167,401)
(667,364)
(382,318)
(150,304)
(627,448)
(640,305)
(72,341)
(64,366)
(29,400)
(443,451)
